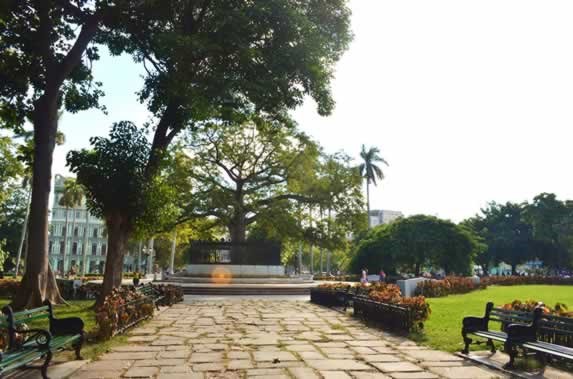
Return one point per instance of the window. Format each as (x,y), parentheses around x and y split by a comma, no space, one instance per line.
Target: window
(103,249)
(78,214)
(75,248)
(94,248)
(95,233)
(62,247)
(50,247)
(104,233)
(76,231)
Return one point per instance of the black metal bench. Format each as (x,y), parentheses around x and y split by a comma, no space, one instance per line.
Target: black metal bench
(548,337)
(148,290)
(479,326)
(27,345)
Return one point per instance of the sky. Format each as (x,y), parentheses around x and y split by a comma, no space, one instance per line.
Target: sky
(468,101)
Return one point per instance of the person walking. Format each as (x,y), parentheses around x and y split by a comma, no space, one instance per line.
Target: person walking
(382,276)
(364,278)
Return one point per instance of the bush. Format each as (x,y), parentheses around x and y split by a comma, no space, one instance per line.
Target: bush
(559,309)
(447,286)
(515,280)
(171,294)
(122,309)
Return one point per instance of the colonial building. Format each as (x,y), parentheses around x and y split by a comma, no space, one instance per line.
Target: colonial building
(85,233)
(383,216)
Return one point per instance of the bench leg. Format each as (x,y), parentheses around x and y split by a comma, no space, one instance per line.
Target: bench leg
(44,368)
(467,343)
(511,350)
(491,346)
(78,347)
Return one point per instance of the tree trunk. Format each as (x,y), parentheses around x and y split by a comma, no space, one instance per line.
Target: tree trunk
(24,232)
(65,244)
(39,282)
(118,230)
(238,230)
(173,248)
(311,259)
(86,247)
(368,201)
(73,237)
(417,269)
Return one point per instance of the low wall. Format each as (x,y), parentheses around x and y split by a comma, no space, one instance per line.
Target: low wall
(235,270)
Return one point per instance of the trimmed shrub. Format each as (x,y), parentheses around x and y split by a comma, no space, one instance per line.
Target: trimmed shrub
(447,286)
(515,280)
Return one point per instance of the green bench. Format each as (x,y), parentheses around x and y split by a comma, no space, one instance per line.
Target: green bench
(148,290)
(27,345)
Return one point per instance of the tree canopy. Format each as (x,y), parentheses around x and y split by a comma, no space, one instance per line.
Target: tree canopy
(413,243)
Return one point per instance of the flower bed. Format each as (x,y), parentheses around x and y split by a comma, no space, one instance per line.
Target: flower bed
(448,286)
(170,294)
(122,309)
(385,305)
(521,280)
(8,287)
(339,278)
(330,294)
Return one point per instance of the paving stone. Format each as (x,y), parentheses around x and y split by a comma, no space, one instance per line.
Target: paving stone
(413,375)
(194,375)
(137,348)
(101,374)
(206,357)
(443,364)
(368,375)
(337,364)
(380,358)
(468,372)
(397,367)
(298,348)
(335,375)
(261,356)
(267,372)
(103,365)
(431,355)
(141,372)
(238,355)
(174,354)
(215,366)
(303,373)
(239,364)
(121,356)
(306,355)
(159,362)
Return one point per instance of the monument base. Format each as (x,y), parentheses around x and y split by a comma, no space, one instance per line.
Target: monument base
(234,271)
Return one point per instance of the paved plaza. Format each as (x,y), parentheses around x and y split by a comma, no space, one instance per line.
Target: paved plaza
(270,339)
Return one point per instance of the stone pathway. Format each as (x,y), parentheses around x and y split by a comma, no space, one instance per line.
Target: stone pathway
(270,339)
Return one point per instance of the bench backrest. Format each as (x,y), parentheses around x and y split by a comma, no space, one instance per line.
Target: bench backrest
(556,329)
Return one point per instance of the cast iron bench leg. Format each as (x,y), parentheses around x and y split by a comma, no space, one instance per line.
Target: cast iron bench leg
(44,368)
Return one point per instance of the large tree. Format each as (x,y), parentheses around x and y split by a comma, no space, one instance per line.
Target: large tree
(113,174)
(244,170)
(45,56)
(371,171)
(215,60)
(412,243)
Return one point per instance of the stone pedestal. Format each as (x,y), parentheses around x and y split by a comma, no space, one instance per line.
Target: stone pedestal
(408,286)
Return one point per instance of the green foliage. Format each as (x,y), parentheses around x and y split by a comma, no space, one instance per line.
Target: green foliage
(10,167)
(411,243)
(4,255)
(113,174)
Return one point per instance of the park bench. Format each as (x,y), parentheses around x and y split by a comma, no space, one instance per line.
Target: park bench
(548,336)
(148,290)
(27,345)
(479,326)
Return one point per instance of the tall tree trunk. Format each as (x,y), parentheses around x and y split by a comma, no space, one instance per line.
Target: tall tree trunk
(73,236)
(311,259)
(118,230)
(24,232)
(173,248)
(39,282)
(238,230)
(139,249)
(86,247)
(368,201)
(64,255)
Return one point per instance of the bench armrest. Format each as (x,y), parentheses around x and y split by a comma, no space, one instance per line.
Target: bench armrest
(472,324)
(42,337)
(521,332)
(66,326)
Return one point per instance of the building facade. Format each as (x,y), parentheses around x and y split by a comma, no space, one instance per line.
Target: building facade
(383,216)
(85,233)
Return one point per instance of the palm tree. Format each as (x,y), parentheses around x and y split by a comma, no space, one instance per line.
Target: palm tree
(370,171)
(72,197)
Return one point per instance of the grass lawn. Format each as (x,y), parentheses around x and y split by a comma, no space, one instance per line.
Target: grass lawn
(443,329)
